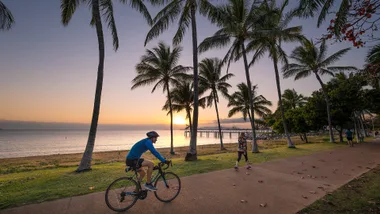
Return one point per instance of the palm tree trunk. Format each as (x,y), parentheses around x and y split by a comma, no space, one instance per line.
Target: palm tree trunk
(305,137)
(255,148)
(356,130)
(189,116)
(192,154)
(290,143)
(332,140)
(171,120)
(217,116)
(85,163)
(362,124)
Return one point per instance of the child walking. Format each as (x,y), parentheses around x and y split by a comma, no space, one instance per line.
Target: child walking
(242,150)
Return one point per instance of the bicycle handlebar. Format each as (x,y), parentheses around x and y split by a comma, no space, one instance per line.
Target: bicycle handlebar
(168,163)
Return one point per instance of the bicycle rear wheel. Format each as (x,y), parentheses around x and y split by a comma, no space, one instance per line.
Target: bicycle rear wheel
(122,194)
(168,187)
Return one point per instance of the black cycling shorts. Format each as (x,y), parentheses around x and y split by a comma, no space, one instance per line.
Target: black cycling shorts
(134,163)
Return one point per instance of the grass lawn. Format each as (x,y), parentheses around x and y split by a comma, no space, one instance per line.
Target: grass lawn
(36,183)
(361,195)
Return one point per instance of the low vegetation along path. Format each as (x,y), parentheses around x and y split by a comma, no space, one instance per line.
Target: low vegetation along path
(284,186)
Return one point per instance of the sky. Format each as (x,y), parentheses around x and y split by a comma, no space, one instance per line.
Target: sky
(48,71)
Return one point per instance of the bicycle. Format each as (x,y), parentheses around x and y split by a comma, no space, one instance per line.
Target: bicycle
(117,190)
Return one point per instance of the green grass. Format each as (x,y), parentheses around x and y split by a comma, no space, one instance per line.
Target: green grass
(35,186)
(361,195)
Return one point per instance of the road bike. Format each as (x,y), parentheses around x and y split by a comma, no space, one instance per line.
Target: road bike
(124,192)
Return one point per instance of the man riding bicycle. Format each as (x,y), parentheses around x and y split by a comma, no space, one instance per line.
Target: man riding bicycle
(135,161)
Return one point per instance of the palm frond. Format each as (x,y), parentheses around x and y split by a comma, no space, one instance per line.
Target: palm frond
(107,8)
(216,41)
(342,68)
(163,19)
(302,74)
(68,8)
(324,11)
(183,25)
(334,57)
(324,71)
(140,7)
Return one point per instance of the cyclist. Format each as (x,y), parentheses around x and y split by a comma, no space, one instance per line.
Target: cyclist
(135,161)
(349,135)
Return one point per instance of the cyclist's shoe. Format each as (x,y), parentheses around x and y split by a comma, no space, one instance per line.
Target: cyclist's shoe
(150,187)
(236,168)
(249,167)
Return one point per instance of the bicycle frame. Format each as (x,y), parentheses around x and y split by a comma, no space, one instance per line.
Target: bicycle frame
(154,177)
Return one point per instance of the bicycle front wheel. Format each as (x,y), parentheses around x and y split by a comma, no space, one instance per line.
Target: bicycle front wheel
(168,187)
(122,194)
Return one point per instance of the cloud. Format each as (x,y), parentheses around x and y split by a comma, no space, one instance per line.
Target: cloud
(30,125)
(233,120)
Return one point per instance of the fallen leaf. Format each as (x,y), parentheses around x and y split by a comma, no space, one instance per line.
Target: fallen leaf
(260,181)
(314,167)
(313,192)
(327,184)
(305,197)
(300,173)
(243,201)
(247,173)
(322,188)
(263,205)
(368,167)
(302,177)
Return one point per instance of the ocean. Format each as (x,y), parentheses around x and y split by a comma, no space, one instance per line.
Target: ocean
(24,143)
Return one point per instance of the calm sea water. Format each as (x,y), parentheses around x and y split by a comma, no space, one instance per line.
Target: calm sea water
(23,143)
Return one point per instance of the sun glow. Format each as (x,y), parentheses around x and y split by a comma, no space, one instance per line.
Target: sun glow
(179,120)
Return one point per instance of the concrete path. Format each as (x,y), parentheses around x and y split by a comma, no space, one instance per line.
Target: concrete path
(283,186)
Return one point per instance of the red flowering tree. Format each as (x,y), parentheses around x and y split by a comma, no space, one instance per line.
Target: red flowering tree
(355,21)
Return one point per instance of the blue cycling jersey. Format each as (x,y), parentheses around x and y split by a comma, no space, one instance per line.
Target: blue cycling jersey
(141,147)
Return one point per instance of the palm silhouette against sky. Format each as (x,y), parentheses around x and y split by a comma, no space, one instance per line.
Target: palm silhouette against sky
(159,66)
(211,79)
(239,101)
(99,9)
(308,59)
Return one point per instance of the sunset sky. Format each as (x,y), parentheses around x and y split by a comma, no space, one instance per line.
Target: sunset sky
(48,71)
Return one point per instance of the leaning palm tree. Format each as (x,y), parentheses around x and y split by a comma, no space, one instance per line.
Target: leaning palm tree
(159,66)
(236,23)
(6,17)
(211,79)
(99,9)
(311,60)
(182,98)
(184,11)
(292,100)
(239,101)
(271,32)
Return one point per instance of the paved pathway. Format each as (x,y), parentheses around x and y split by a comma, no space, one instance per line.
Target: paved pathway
(287,186)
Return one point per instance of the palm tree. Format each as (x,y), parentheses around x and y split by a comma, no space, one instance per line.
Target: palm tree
(182,97)
(159,66)
(311,60)
(272,31)
(184,11)
(99,8)
(292,100)
(239,101)
(236,24)
(6,17)
(211,79)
